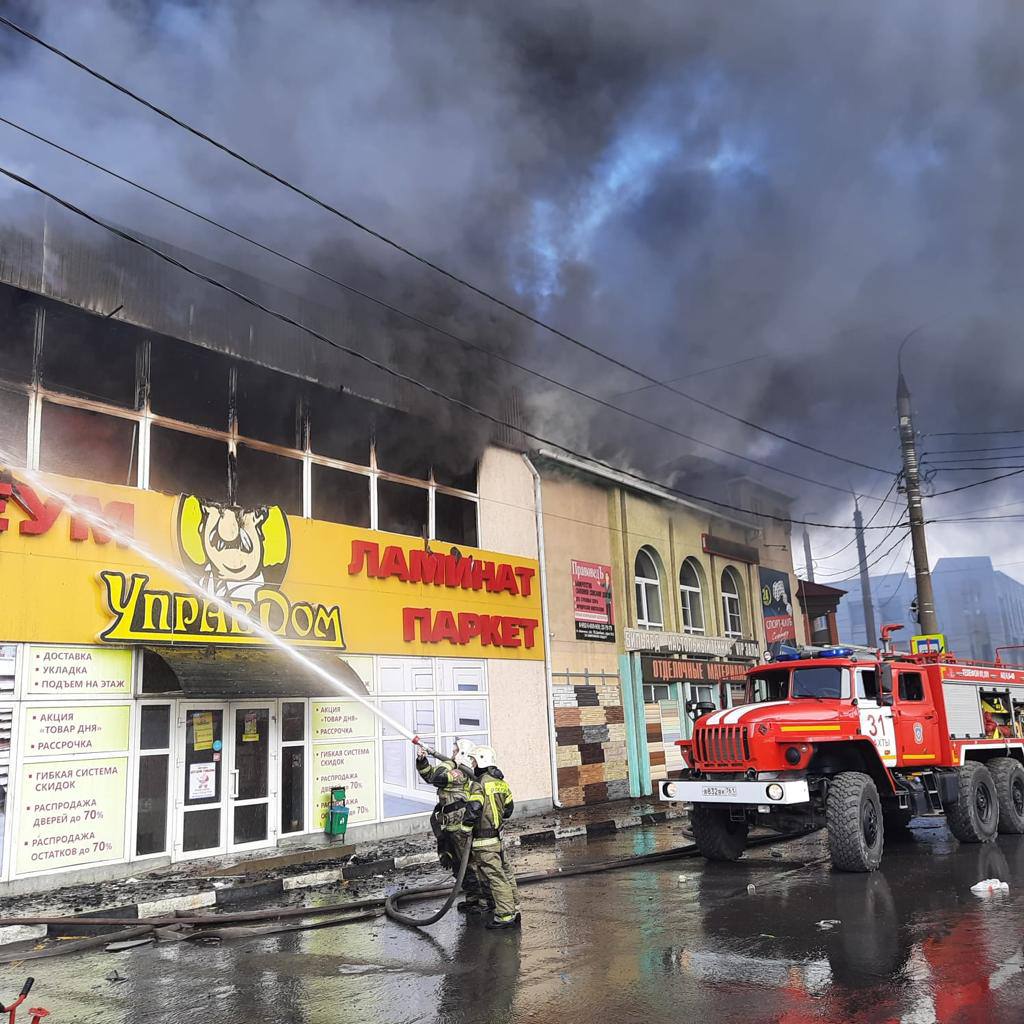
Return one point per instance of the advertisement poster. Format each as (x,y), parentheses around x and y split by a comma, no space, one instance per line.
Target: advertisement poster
(250,728)
(202,730)
(202,781)
(777,607)
(81,671)
(353,766)
(62,729)
(72,813)
(592,601)
(341,720)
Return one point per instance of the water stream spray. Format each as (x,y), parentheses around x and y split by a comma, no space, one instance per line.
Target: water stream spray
(96,519)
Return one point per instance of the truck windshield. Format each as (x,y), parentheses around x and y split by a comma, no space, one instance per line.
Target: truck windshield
(824,681)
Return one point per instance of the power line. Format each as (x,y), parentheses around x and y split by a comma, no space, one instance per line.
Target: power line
(976,483)
(942,468)
(973,433)
(871,519)
(845,573)
(444,332)
(869,565)
(965,451)
(896,589)
(390,370)
(379,236)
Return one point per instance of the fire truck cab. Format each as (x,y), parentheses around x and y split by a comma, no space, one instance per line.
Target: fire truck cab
(858,741)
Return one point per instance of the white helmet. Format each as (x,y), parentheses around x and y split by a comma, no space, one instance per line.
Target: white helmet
(462,755)
(484,757)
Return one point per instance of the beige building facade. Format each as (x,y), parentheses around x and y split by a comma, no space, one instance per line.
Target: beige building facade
(655,605)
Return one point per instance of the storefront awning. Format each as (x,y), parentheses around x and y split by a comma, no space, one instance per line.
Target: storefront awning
(225,674)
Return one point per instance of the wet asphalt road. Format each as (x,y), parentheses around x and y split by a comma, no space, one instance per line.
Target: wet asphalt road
(909,944)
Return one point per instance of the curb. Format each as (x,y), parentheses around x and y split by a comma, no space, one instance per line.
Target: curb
(231,895)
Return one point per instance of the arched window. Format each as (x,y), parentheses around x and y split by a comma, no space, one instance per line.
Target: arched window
(732,617)
(690,597)
(648,590)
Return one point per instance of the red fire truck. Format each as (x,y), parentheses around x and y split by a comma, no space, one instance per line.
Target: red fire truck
(858,741)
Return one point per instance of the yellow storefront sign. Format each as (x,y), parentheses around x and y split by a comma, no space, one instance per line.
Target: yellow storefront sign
(194,572)
(63,729)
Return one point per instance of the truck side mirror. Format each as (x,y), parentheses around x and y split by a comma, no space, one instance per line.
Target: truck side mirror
(885,685)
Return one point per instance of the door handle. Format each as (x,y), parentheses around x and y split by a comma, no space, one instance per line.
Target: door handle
(234,783)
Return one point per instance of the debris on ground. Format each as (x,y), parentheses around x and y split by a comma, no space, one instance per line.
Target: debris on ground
(828,924)
(989,887)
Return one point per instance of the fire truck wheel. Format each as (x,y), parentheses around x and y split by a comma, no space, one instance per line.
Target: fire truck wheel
(1008,775)
(974,816)
(853,813)
(716,836)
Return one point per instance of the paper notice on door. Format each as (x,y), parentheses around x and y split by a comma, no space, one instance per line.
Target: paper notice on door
(202,730)
(202,781)
(250,729)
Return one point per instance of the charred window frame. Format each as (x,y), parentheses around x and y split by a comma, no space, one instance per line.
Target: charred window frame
(147,426)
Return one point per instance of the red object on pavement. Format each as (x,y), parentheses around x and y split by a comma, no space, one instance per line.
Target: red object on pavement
(37,1012)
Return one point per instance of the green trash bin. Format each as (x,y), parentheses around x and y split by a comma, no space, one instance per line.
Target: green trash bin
(337,813)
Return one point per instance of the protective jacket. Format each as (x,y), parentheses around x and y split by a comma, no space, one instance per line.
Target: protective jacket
(456,811)
(497,806)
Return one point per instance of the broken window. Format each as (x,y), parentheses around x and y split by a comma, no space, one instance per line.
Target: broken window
(189,383)
(268,479)
(402,509)
(90,356)
(455,519)
(13,426)
(340,497)
(182,463)
(267,406)
(18,320)
(400,444)
(455,467)
(340,425)
(92,445)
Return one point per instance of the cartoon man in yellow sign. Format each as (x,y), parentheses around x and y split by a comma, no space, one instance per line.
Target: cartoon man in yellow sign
(232,551)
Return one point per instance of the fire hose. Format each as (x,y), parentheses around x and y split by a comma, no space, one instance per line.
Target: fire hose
(391,903)
(219,926)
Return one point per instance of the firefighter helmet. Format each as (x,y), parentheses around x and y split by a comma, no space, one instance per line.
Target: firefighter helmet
(994,705)
(462,754)
(484,757)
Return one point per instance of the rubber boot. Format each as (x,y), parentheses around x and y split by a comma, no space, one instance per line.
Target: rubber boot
(513,922)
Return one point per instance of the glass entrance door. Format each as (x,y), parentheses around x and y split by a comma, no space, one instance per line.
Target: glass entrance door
(201,780)
(251,789)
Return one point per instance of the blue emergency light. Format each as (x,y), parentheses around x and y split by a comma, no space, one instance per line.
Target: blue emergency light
(786,653)
(836,652)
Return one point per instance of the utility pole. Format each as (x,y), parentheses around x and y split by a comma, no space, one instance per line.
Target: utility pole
(915,510)
(809,568)
(865,579)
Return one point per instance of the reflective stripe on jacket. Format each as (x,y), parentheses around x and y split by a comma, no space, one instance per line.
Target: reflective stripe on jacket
(455,811)
(498,804)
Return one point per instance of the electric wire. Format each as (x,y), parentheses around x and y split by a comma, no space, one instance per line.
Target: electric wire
(976,483)
(444,332)
(853,540)
(973,433)
(845,573)
(384,239)
(392,371)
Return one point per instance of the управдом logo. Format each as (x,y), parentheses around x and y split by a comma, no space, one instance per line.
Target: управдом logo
(237,555)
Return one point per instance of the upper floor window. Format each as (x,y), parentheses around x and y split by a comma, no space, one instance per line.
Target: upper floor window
(691,599)
(648,590)
(732,618)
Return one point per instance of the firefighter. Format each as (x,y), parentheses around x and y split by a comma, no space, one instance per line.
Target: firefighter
(995,728)
(490,858)
(455,813)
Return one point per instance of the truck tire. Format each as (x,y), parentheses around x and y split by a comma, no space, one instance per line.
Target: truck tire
(974,816)
(1008,775)
(853,813)
(717,837)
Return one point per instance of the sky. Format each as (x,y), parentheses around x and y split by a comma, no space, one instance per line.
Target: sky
(755,201)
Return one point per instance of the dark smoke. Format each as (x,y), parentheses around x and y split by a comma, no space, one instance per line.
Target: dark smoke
(787,187)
